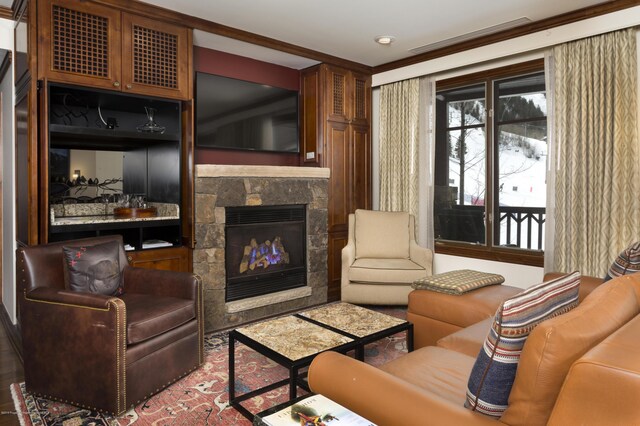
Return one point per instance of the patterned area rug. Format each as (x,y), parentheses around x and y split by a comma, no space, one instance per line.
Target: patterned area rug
(202,397)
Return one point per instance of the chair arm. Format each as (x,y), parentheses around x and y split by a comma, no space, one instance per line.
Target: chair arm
(73,341)
(422,256)
(382,398)
(348,257)
(183,285)
(67,297)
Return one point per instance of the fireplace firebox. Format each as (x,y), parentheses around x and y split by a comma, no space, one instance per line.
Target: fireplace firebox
(265,250)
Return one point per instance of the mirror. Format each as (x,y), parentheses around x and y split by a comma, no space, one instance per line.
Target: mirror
(84,173)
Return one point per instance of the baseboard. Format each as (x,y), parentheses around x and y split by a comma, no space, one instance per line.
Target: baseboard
(12,332)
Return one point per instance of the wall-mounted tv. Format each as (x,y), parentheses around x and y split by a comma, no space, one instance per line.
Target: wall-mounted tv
(237,114)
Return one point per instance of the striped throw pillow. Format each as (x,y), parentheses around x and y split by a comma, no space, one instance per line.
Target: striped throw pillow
(495,368)
(627,262)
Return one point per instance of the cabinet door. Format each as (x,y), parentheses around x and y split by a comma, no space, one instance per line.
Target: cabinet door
(360,182)
(360,90)
(337,94)
(337,159)
(80,42)
(166,259)
(155,58)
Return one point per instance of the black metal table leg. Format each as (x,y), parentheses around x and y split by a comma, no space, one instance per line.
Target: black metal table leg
(232,367)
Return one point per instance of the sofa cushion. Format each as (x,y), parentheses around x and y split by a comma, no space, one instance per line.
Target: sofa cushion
(93,268)
(627,262)
(149,316)
(468,340)
(385,271)
(495,368)
(434,369)
(601,387)
(382,234)
(555,344)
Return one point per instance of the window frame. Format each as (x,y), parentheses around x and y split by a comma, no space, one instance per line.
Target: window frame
(489,251)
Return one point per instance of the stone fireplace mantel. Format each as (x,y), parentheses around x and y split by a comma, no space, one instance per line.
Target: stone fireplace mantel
(220,186)
(222,170)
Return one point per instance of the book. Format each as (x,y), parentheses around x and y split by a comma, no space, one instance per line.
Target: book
(315,410)
(155,244)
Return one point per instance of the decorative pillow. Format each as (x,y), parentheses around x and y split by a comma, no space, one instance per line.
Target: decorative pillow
(381,235)
(457,282)
(493,373)
(93,269)
(627,262)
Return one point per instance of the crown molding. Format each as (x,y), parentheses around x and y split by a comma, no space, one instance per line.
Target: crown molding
(6,13)
(167,15)
(545,24)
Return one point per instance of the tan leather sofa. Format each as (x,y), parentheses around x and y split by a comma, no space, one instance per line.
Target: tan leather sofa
(382,258)
(582,367)
(436,315)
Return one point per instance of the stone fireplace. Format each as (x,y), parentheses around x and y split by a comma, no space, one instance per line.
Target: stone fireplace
(225,198)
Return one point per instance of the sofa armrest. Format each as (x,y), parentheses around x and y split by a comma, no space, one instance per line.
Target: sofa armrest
(183,285)
(422,256)
(382,398)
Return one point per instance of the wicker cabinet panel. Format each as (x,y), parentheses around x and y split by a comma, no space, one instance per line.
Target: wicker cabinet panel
(81,43)
(89,44)
(155,58)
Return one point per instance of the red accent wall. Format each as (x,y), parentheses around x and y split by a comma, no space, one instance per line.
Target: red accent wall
(229,65)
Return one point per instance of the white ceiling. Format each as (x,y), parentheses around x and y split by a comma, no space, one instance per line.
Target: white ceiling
(346,28)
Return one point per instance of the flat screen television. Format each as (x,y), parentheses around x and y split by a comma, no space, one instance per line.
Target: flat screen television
(237,114)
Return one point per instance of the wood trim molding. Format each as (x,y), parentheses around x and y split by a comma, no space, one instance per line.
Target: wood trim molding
(159,13)
(6,13)
(545,24)
(12,331)
(6,64)
(534,65)
(520,257)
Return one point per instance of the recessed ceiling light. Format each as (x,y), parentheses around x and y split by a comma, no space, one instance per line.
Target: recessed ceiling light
(384,40)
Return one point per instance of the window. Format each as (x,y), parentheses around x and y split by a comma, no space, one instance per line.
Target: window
(490,191)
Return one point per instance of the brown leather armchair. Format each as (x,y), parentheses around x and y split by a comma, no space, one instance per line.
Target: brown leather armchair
(101,352)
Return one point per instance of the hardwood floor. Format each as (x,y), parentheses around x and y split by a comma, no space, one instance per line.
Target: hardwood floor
(11,371)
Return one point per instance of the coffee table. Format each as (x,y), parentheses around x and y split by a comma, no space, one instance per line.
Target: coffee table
(293,341)
(361,324)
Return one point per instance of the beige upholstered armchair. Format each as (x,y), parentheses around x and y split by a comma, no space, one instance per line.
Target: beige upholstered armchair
(382,259)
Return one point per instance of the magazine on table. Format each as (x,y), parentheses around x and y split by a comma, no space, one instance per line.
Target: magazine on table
(316,410)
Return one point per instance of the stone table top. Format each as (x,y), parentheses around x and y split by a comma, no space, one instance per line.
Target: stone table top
(293,337)
(352,319)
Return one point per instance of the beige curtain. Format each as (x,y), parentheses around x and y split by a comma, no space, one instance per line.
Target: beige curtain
(399,140)
(596,200)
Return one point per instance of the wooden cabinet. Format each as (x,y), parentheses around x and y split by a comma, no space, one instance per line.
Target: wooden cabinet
(336,129)
(93,45)
(167,259)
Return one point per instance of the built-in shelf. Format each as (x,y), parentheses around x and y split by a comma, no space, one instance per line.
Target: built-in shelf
(80,137)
